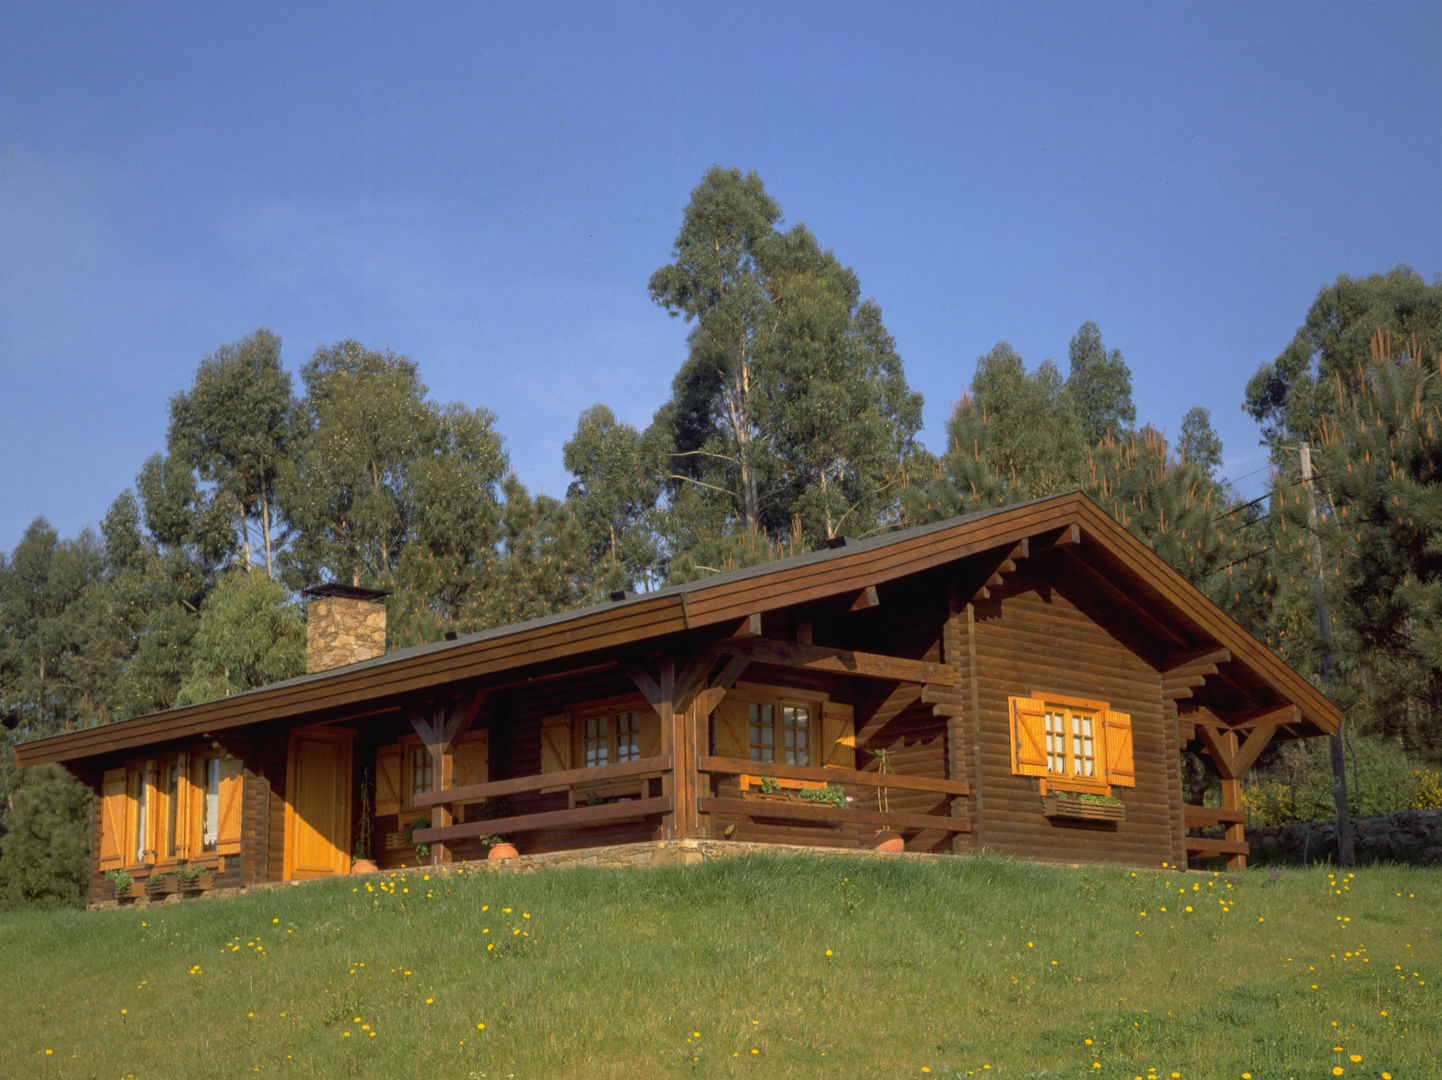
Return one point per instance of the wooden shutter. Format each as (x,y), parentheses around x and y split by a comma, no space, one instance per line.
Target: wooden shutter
(229,816)
(732,738)
(472,759)
(388,781)
(838,735)
(649,734)
(556,745)
(1028,736)
(114,817)
(1117,740)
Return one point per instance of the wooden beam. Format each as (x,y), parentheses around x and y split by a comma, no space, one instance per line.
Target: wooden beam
(1202,847)
(1231,760)
(750,626)
(1208,657)
(830,815)
(844,661)
(866,598)
(710,697)
(1199,817)
(1066,536)
(528,785)
(803,631)
(550,819)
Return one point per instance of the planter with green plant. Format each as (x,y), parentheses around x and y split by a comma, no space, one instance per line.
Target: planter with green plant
(123,886)
(423,851)
(1082,805)
(162,884)
(194,879)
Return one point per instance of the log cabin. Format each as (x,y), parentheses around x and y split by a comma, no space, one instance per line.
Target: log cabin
(1022,680)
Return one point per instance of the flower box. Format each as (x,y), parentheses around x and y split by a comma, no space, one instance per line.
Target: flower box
(198,884)
(134,891)
(1062,805)
(161,885)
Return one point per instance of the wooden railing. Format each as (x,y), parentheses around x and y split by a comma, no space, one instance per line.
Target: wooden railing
(660,767)
(646,768)
(1201,817)
(800,810)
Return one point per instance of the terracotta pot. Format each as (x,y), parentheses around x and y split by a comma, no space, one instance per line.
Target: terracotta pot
(365,866)
(888,841)
(502,851)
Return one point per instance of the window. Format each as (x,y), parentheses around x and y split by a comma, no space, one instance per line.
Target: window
(610,739)
(757,723)
(405,769)
(177,807)
(785,726)
(1071,743)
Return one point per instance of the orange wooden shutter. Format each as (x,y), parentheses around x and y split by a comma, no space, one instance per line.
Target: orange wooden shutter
(838,735)
(229,816)
(473,759)
(732,739)
(183,796)
(1028,736)
(556,745)
(649,735)
(388,781)
(114,816)
(1121,770)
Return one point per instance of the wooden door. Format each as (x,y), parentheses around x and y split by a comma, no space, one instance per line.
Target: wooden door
(317,804)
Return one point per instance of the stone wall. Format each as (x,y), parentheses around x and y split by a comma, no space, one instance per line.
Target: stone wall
(1407,836)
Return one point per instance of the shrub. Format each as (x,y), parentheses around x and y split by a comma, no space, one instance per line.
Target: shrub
(45,853)
(1297,786)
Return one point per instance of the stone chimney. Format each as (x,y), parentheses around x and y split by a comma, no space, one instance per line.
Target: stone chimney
(344,625)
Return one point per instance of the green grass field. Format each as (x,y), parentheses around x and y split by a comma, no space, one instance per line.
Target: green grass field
(756,966)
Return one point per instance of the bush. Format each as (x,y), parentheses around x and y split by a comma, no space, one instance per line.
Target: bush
(45,852)
(1428,793)
(1297,785)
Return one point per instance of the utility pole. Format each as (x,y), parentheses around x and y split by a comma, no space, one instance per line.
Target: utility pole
(1346,854)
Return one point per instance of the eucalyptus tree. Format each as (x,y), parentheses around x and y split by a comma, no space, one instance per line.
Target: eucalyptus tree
(376,465)
(791,401)
(614,494)
(233,430)
(1099,384)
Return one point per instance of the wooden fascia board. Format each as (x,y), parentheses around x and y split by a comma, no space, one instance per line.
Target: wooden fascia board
(1210,620)
(648,619)
(407,675)
(848,572)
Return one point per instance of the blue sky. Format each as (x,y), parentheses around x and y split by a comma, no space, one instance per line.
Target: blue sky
(488,188)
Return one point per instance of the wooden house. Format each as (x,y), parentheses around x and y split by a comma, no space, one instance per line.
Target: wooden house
(1023,680)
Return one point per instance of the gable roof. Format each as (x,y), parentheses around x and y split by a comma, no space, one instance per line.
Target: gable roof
(1152,605)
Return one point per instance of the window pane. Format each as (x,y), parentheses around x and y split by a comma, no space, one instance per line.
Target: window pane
(1056,743)
(597,742)
(628,737)
(762,732)
(796,725)
(210,805)
(420,770)
(142,812)
(170,800)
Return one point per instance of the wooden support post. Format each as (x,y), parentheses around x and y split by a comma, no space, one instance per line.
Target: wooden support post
(439,728)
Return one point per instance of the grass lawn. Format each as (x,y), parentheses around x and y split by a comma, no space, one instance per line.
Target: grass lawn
(757,966)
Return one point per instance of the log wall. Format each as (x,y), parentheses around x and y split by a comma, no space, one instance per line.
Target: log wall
(1028,639)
